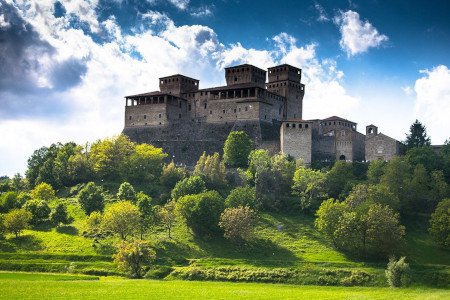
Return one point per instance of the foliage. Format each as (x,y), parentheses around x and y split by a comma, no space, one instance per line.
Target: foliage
(147,211)
(91,198)
(309,186)
(188,186)
(367,194)
(40,165)
(397,272)
(201,211)
(8,201)
(59,215)
(238,223)
(167,216)
(94,221)
(17,220)
(375,171)
(18,183)
(439,189)
(121,218)
(39,210)
(419,193)
(425,156)
(80,166)
(2,227)
(144,164)
(134,257)
(337,178)
(171,174)
(211,169)
(236,149)
(241,196)
(126,192)
(61,165)
(417,136)
(285,166)
(440,223)
(397,178)
(43,191)
(328,218)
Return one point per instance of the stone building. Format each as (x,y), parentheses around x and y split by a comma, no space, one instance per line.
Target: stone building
(380,146)
(185,120)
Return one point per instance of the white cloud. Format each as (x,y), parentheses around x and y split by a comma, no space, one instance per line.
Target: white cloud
(202,11)
(357,35)
(407,90)
(3,22)
(323,17)
(432,106)
(180,4)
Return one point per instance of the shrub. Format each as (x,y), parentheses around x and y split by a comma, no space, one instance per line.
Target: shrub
(397,272)
(17,220)
(39,210)
(134,257)
(241,196)
(188,186)
(94,221)
(236,149)
(202,211)
(59,215)
(122,218)
(91,198)
(440,223)
(43,191)
(126,192)
(238,223)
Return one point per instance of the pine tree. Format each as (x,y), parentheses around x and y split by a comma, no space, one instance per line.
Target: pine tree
(417,136)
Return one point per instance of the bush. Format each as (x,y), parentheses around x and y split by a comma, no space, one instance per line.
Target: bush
(397,272)
(122,218)
(238,223)
(91,198)
(43,191)
(241,196)
(440,223)
(134,258)
(59,215)
(94,221)
(17,220)
(188,186)
(202,211)
(39,210)
(126,193)
(236,149)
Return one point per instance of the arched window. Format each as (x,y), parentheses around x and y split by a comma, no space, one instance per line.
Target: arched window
(342,157)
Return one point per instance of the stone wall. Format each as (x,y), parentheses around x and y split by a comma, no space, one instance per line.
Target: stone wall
(296,140)
(381,147)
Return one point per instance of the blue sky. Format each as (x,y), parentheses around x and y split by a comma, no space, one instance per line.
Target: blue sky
(66,65)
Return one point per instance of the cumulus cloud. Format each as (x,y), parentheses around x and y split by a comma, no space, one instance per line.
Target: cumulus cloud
(432,105)
(357,36)
(83,81)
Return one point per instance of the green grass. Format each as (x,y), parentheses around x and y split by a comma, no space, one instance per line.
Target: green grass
(37,286)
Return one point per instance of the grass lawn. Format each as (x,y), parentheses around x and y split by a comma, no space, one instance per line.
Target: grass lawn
(56,286)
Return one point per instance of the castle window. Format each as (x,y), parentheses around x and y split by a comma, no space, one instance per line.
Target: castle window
(235,78)
(334,123)
(293,125)
(329,123)
(299,125)
(162,81)
(294,116)
(205,105)
(179,104)
(306,125)
(265,117)
(145,116)
(179,116)
(339,123)
(223,111)
(210,112)
(129,118)
(287,125)
(246,108)
(159,116)
(189,107)
(239,109)
(235,110)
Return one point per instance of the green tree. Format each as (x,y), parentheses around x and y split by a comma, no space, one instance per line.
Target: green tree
(375,171)
(171,174)
(134,257)
(439,189)
(419,190)
(144,164)
(80,166)
(202,211)
(18,183)
(188,186)
(285,166)
(236,149)
(40,165)
(397,272)
(417,136)
(121,218)
(126,192)
(369,194)
(94,222)
(238,223)
(241,196)
(8,201)
(211,169)
(17,220)
(440,223)
(59,215)
(91,198)
(167,215)
(328,217)
(309,186)
(2,227)
(147,211)
(61,164)
(337,179)
(39,210)
(43,191)
(397,178)
(425,156)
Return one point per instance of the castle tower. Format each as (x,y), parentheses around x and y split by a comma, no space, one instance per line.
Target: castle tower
(371,130)
(178,84)
(285,80)
(296,139)
(245,74)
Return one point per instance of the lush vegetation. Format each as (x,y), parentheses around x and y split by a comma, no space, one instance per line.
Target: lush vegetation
(115,208)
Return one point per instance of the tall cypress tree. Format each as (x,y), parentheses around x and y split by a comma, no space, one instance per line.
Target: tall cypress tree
(417,136)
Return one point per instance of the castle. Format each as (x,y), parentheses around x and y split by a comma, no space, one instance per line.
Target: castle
(185,120)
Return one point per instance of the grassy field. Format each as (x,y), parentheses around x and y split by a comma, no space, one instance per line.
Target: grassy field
(54,286)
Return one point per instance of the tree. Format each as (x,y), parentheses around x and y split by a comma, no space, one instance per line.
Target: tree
(59,215)
(397,272)
(43,191)
(439,189)
(337,179)
(17,220)
(18,183)
(134,257)
(61,169)
(91,198)
(122,218)
(39,210)
(8,201)
(2,226)
(285,166)
(144,164)
(241,196)
(126,192)
(375,171)
(167,216)
(369,194)
(440,223)
(328,217)
(80,166)
(425,156)
(397,177)
(201,212)
(238,223)
(171,174)
(147,211)
(211,169)
(419,192)
(309,186)
(236,149)
(40,165)
(94,221)
(188,186)
(417,136)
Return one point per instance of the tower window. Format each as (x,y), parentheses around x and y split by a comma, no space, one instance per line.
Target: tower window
(189,107)
(306,125)
(223,111)
(210,112)
(159,116)
(145,116)
(293,125)
(129,118)
(287,125)
(299,125)
(179,116)
(205,105)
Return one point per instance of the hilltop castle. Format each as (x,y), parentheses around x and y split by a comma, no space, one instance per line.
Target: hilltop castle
(185,120)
